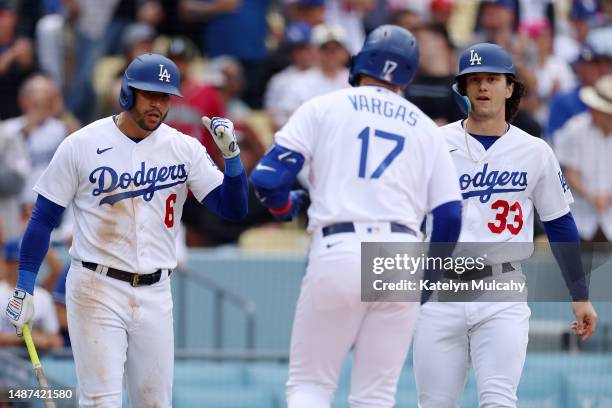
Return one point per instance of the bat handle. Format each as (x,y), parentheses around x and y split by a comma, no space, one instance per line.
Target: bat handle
(27,337)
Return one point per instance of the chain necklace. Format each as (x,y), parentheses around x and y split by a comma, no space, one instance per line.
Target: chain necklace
(467,144)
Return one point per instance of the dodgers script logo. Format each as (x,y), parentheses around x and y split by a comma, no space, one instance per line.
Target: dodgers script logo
(486,183)
(107,181)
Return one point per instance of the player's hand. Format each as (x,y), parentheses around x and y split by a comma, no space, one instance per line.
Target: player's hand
(586,319)
(296,200)
(20,309)
(222,131)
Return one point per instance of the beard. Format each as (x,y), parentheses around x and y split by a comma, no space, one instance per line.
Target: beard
(140,121)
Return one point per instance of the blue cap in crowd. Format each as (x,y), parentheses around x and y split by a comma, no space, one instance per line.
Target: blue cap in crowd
(311,3)
(297,34)
(587,54)
(509,4)
(583,9)
(11,250)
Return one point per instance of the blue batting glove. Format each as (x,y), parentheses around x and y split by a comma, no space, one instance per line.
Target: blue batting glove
(292,208)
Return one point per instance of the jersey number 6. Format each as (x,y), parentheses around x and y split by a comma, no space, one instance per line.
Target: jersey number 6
(169,218)
(501,217)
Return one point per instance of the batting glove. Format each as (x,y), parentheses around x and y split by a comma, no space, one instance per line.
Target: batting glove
(20,309)
(223,134)
(294,204)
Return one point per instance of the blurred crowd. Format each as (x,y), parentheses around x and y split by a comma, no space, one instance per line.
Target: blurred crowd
(256,61)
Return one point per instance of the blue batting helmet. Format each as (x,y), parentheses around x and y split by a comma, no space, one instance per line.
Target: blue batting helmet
(390,54)
(482,57)
(149,72)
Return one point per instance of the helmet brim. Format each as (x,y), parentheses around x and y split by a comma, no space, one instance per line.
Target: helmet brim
(152,87)
(485,69)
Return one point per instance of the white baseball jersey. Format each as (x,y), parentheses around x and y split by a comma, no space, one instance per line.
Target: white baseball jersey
(127,197)
(372,156)
(501,187)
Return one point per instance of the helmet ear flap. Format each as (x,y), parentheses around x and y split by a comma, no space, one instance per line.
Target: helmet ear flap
(126,96)
(461,100)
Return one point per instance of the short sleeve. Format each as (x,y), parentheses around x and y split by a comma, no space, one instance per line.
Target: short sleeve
(299,132)
(204,175)
(60,181)
(443,185)
(551,194)
(565,148)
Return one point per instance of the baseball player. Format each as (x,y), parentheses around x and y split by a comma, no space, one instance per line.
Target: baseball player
(127,178)
(504,174)
(376,165)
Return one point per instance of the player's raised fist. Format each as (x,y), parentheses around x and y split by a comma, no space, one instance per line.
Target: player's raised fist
(222,131)
(20,309)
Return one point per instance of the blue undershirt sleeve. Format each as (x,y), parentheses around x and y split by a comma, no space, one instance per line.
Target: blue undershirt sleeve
(445,232)
(230,200)
(46,215)
(565,244)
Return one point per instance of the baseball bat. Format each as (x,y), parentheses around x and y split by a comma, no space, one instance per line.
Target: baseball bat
(42,380)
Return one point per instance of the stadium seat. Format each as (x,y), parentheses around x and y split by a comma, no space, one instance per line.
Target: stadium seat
(546,364)
(208,375)
(271,377)
(592,391)
(534,385)
(194,396)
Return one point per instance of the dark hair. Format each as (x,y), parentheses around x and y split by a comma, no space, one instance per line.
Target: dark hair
(512,103)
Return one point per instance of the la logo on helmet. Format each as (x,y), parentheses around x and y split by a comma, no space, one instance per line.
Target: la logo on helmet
(474,58)
(163,73)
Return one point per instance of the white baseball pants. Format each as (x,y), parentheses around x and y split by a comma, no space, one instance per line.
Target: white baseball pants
(331,319)
(117,329)
(492,336)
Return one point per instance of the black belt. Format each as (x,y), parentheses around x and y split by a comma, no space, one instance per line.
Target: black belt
(350,227)
(135,279)
(473,274)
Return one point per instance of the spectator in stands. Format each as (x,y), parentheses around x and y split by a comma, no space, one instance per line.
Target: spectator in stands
(441,11)
(431,88)
(553,74)
(136,39)
(348,15)
(45,327)
(98,30)
(14,169)
(330,74)
(582,14)
(497,21)
(311,12)
(43,23)
(227,74)
(238,29)
(408,18)
(589,67)
(16,60)
(199,99)
(584,148)
(303,55)
(41,132)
